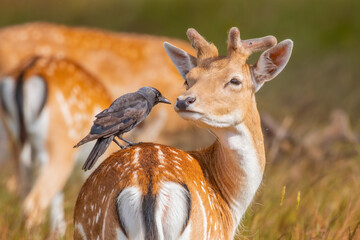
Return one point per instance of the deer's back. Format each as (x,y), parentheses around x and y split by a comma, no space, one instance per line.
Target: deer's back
(149,190)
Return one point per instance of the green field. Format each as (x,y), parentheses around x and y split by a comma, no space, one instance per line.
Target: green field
(321,201)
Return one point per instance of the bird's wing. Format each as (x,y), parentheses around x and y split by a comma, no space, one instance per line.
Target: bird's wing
(122,102)
(120,120)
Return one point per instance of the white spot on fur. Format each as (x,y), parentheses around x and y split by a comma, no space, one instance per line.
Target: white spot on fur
(174,152)
(136,156)
(104,221)
(135,176)
(210,202)
(97,216)
(79,228)
(204,215)
(167,172)
(161,156)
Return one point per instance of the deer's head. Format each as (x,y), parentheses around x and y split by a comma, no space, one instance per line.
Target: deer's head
(220,90)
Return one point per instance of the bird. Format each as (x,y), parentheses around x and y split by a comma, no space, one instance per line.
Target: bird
(123,115)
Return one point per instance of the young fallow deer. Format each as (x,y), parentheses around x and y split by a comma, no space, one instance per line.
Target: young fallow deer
(151,191)
(47,105)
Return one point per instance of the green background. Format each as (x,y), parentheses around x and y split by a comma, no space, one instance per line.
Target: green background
(322,75)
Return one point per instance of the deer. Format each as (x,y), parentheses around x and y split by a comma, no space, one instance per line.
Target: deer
(47,104)
(122,62)
(154,191)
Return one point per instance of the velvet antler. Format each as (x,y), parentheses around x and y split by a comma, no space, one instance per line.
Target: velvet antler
(247,47)
(204,48)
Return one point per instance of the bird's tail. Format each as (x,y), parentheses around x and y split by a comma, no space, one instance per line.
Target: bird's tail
(100,147)
(86,139)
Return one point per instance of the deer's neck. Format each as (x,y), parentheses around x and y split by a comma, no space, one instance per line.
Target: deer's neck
(234,164)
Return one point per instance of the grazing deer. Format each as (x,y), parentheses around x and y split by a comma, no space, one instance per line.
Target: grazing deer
(47,105)
(151,191)
(121,62)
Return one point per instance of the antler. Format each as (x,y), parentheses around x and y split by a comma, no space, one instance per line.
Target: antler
(247,47)
(204,48)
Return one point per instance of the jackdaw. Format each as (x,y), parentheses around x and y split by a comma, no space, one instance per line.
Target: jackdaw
(123,115)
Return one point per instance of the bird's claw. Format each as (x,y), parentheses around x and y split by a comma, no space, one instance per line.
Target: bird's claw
(117,143)
(131,144)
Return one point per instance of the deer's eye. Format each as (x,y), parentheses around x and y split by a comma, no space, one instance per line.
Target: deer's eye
(234,81)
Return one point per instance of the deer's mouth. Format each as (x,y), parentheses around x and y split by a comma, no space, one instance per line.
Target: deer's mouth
(189,114)
(188,111)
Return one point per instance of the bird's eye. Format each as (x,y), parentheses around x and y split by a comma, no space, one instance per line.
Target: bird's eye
(186,83)
(234,81)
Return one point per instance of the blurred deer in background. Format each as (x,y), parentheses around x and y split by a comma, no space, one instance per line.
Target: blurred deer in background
(122,62)
(152,191)
(47,105)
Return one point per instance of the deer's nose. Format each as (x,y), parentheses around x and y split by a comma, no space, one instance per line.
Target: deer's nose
(185,103)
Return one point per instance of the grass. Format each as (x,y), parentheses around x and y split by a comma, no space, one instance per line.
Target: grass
(11,221)
(320,201)
(329,206)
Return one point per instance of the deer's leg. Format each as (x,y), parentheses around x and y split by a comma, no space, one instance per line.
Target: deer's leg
(48,184)
(25,170)
(57,215)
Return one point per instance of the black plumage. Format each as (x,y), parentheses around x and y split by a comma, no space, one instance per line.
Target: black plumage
(123,115)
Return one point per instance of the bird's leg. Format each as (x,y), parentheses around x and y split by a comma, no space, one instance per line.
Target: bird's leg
(121,146)
(127,141)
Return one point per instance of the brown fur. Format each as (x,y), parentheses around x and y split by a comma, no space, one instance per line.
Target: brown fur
(122,62)
(117,173)
(75,84)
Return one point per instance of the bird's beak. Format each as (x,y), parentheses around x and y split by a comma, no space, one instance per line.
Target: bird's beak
(164,100)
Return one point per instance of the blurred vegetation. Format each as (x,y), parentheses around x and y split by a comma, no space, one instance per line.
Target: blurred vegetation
(321,201)
(323,74)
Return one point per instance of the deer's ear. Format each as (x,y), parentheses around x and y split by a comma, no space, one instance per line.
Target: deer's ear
(271,63)
(183,61)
